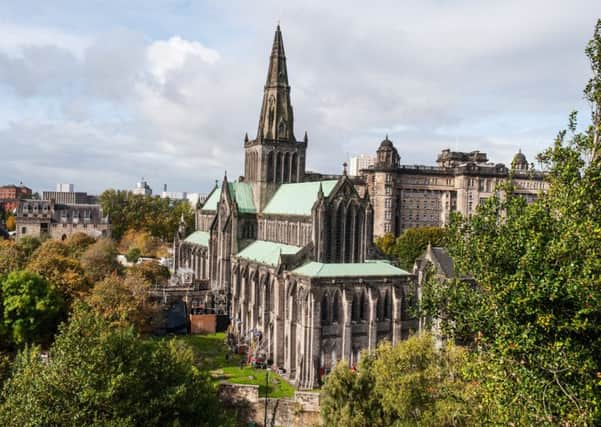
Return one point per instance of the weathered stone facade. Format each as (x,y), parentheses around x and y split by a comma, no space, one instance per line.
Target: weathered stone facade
(290,256)
(45,218)
(405,196)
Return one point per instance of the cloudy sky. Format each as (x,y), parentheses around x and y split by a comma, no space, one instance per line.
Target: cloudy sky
(101,93)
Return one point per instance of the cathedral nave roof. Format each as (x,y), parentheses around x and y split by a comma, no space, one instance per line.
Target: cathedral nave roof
(241,192)
(364,269)
(298,198)
(265,252)
(198,238)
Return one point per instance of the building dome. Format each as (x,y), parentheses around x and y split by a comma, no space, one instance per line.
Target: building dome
(519,161)
(388,156)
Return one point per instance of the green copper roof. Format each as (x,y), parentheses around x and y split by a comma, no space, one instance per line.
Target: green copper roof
(267,253)
(241,192)
(366,269)
(297,199)
(211,203)
(198,238)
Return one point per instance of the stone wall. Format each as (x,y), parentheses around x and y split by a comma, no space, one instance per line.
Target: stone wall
(302,410)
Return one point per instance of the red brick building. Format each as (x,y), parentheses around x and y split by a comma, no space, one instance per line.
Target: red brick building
(11,194)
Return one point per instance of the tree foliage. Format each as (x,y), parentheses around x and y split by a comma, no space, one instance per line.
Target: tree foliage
(99,260)
(538,269)
(411,244)
(158,216)
(99,375)
(11,223)
(65,274)
(408,384)
(77,243)
(31,309)
(124,301)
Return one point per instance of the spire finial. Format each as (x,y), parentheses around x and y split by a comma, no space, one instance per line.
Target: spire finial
(306,139)
(344,165)
(386,137)
(246,137)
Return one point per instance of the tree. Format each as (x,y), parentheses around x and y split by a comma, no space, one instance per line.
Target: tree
(158,216)
(408,384)
(11,223)
(386,243)
(124,301)
(152,272)
(412,243)
(31,308)
(133,255)
(64,273)
(348,397)
(98,375)
(99,260)
(12,257)
(28,245)
(538,269)
(77,243)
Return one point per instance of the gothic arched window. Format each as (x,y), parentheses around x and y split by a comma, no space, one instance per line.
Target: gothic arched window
(355,308)
(324,310)
(294,167)
(380,308)
(270,177)
(286,167)
(336,308)
(387,306)
(364,307)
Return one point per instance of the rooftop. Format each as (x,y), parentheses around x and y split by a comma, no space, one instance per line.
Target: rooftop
(198,238)
(298,198)
(241,192)
(365,269)
(267,253)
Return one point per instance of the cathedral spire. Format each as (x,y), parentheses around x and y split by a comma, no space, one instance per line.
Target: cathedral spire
(276,121)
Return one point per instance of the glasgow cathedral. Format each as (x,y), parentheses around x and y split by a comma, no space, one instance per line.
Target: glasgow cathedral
(289,255)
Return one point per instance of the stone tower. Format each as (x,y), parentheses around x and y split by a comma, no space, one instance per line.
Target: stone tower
(275,156)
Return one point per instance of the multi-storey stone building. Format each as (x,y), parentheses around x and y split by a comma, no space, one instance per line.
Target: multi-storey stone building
(405,196)
(45,218)
(289,255)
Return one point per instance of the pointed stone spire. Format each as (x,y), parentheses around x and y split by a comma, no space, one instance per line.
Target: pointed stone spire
(306,138)
(276,121)
(246,137)
(320,191)
(181,229)
(344,171)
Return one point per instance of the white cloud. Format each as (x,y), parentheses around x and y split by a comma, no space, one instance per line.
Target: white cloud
(165,56)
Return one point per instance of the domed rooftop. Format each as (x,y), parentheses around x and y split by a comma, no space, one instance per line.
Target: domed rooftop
(519,160)
(386,143)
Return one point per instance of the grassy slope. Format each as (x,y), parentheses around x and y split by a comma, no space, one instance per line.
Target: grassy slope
(211,351)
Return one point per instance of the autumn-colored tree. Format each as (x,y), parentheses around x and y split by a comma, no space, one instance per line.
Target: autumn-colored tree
(412,243)
(99,260)
(12,257)
(11,223)
(77,243)
(153,272)
(64,273)
(386,243)
(124,301)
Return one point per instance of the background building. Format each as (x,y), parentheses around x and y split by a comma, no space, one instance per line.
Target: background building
(142,188)
(11,194)
(46,218)
(362,161)
(405,196)
(66,194)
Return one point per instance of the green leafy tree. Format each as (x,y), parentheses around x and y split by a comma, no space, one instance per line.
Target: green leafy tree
(412,243)
(133,255)
(386,243)
(538,269)
(99,260)
(158,216)
(28,245)
(98,375)
(408,384)
(348,397)
(31,308)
